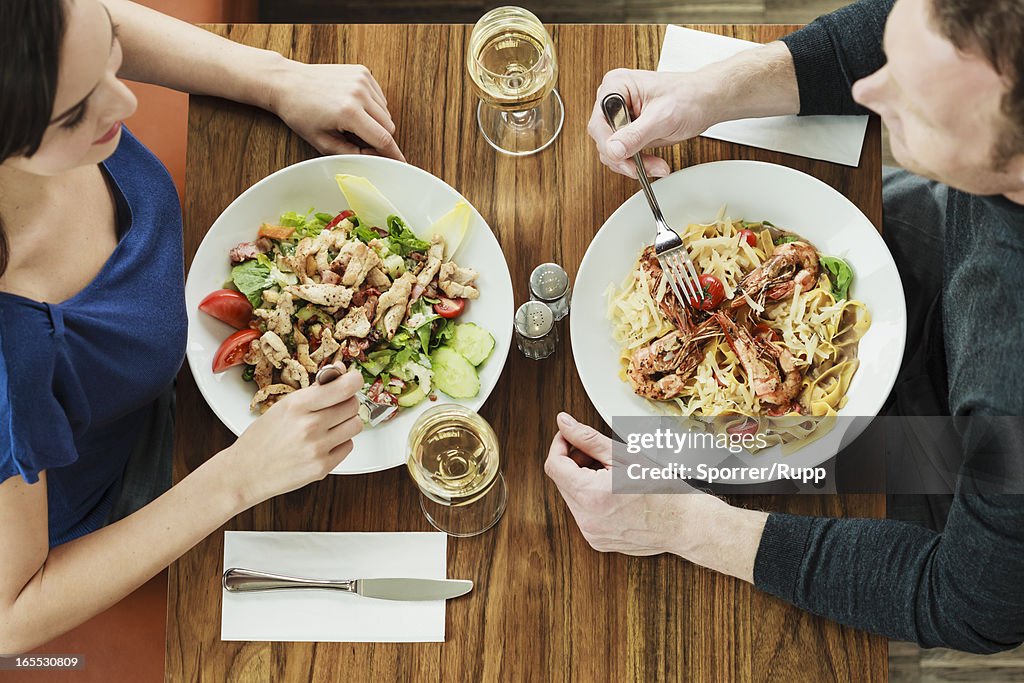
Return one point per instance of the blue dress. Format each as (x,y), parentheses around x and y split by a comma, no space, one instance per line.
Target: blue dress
(79,379)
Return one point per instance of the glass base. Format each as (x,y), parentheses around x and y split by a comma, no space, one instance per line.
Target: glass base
(520,133)
(468,520)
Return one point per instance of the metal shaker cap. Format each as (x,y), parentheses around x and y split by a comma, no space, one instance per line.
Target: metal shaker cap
(534,319)
(549,281)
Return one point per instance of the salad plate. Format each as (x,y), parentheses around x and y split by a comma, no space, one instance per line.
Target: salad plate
(310,190)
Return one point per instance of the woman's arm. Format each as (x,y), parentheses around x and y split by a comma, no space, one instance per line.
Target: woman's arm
(165,51)
(43,594)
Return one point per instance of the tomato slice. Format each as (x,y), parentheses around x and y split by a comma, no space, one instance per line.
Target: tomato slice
(228,306)
(749,236)
(449,308)
(339,218)
(233,349)
(714,292)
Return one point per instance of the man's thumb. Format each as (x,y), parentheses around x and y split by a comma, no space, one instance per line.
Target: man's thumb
(629,140)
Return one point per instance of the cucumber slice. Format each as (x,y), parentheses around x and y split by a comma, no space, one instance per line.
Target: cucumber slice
(473,342)
(453,374)
(412,395)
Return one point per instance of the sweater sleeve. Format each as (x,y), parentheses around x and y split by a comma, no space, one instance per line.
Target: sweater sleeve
(963,588)
(836,50)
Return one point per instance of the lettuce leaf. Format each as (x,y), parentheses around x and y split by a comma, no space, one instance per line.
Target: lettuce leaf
(839,274)
(402,239)
(251,278)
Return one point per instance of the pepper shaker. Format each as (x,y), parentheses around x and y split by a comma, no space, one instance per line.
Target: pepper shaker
(536,334)
(550,283)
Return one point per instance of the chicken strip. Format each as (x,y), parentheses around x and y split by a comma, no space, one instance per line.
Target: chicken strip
(355,324)
(457,282)
(268,396)
(392,304)
(302,351)
(354,262)
(378,279)
(263,371)
(328,346)
(273,347)
(329,296)
(297,261)
(434,255)
(293,374)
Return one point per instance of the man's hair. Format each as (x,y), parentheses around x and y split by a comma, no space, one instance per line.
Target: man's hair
(995,30)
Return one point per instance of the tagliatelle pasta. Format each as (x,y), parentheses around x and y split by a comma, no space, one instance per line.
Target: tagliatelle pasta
(818,329)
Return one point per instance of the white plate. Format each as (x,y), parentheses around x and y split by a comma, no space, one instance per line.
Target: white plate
(752,190)
(421,198)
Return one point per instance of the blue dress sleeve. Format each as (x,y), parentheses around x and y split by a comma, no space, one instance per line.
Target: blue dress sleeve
(36,433)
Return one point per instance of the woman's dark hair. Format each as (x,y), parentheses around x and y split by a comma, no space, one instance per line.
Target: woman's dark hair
(31,33)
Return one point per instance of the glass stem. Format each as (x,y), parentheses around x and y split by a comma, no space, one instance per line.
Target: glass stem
(522,119)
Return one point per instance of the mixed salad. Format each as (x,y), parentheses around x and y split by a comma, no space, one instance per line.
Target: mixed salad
(356,288)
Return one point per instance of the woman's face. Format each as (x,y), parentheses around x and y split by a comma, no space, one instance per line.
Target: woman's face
(85,125)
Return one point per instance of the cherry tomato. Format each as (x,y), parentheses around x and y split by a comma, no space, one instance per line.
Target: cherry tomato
(233,349)
(339,218)
(762,331)
(749,236)
(714,292)
(228,306)
(449,308)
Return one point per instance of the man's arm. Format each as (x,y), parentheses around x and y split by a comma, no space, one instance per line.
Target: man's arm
(836,50)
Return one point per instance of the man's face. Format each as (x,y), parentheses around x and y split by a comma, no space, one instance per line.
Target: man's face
(942,107)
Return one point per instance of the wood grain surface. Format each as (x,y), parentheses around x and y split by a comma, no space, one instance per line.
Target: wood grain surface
(545,606)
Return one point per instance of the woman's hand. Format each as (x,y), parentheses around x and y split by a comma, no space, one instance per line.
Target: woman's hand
(299,440)
(328,103)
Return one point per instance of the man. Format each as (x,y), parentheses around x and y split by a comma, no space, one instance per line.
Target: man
(947,77)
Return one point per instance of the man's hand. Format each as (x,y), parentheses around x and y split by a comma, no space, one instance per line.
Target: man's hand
(671,107)
(666,108)
(324,102)
(580,464)
(694,525)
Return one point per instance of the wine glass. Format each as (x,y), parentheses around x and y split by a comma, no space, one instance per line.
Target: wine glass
(453,458)
(511,61)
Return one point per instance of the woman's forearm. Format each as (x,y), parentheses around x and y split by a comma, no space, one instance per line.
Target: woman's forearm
(84,577)
(165,51)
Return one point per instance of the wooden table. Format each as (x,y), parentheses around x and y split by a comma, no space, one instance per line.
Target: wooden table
(545,606)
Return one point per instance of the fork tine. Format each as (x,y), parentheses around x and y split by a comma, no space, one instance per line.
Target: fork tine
(693,274)
(695,293)
(678,280)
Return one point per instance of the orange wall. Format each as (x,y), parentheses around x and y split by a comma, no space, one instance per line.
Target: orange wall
(162,117)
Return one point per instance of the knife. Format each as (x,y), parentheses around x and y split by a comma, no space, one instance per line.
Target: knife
(238,580)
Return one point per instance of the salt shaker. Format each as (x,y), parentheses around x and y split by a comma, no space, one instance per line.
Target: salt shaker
(550,283)
(536,334)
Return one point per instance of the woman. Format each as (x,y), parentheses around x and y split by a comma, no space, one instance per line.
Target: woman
(92,318)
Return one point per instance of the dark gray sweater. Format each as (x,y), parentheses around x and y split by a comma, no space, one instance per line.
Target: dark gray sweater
(962,588)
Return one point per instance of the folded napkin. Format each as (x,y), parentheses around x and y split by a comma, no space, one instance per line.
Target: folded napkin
(331,616)
(833,138)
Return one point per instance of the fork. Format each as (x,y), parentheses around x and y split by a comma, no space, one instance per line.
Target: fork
(668,245)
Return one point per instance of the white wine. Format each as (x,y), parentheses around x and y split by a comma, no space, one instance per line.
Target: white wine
(453,455)
(511,60)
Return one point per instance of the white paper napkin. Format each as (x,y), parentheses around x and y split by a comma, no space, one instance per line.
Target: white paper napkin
(329,616)
(833,138)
